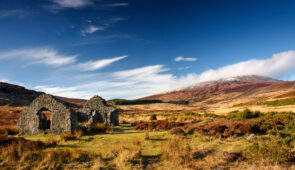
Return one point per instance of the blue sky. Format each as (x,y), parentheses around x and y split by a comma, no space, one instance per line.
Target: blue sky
(134,48)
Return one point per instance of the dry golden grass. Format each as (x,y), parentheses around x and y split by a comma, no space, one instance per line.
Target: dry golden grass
(98,128)
(67,137)
(9,130)
(78,133)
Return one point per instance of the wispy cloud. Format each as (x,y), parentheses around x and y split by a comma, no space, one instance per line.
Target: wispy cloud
(113,20)
(72,3)
(103,39)
(278,66)
(106,23)
(42,55)
(95,65)
(19,13)
(111,5)
(180,58)
(147,80)
(184,68)
(91,29)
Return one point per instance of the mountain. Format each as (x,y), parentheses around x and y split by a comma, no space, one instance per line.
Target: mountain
(15,95)
(235,90)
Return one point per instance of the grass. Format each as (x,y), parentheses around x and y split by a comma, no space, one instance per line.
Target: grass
(130,149)
(9,130)
(282,102)
(190,145)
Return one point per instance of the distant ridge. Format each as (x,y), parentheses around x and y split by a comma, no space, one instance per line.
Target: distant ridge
(15,95)
(228,90)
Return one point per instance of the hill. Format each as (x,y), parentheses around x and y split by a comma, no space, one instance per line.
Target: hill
(231,91)
(15,95)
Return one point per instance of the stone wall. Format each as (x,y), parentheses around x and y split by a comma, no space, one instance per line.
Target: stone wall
(63,119)
(97,110)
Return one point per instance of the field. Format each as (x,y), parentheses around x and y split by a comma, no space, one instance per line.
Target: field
(160,136)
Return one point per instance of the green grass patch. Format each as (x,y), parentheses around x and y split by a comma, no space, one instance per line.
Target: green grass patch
(282,102)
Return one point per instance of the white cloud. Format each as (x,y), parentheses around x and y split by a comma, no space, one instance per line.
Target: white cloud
(73,3)
(122,4)
(43,55)
(20,13)
(95,65)
(91,29)
(277,66)
(180,58)
(148,80)
(184,68)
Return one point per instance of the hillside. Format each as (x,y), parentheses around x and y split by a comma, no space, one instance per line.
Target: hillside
(15,95)
(236,90)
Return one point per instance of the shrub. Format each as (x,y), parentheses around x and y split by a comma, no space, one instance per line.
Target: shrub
(177,131)
(67,137)
(9,130)
(98,128)
(78,133)
(212,115)
(268,149)
(193,114)
(153,117)
(245,114)
(220,128)
(273,120)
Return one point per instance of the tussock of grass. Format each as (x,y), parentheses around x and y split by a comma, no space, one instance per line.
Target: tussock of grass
(98,128)
(9,130)
(67,137)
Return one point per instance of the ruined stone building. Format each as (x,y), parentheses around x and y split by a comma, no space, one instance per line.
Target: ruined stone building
(61,119)
(49,114)
(97,110)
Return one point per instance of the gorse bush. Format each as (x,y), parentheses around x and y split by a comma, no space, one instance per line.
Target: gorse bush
(273,120)
(153,117)
(268,148)
(245,114)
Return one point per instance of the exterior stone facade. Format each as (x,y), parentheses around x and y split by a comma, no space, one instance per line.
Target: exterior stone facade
(63,119)
(97,110)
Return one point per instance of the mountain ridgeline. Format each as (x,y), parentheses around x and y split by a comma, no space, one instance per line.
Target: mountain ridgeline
(235,90)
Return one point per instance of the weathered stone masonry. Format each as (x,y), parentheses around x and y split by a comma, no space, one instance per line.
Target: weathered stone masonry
(63,119)
(97,110)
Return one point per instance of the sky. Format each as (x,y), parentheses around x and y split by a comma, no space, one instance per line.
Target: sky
(135,48)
